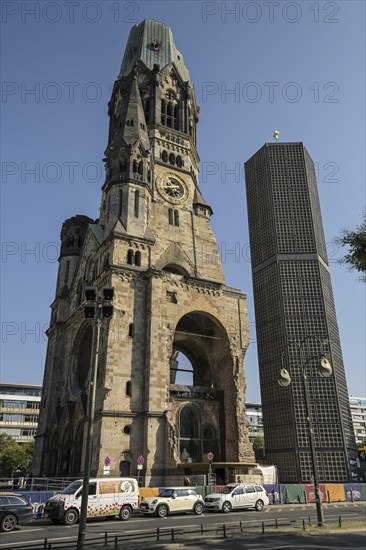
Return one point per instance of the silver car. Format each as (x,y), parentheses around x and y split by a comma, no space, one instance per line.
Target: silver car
(173,500)
(235,495)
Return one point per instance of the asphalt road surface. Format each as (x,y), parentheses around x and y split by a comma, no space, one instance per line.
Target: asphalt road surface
(290,516)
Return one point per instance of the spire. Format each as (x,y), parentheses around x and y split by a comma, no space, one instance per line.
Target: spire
(152,42)
(133,118)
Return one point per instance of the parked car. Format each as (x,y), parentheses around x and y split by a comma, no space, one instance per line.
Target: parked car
(116,496)
(235,495)
(14,510)
(173,500)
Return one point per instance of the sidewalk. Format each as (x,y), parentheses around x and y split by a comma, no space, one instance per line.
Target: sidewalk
(344,539)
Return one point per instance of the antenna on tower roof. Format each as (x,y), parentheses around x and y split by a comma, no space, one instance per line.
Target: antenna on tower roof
(276,135)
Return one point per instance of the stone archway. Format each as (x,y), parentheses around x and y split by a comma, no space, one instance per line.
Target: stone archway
(77,449)
(212,392)
(82,353)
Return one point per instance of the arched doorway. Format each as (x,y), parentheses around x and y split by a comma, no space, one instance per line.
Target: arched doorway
(77,449)
(125,464)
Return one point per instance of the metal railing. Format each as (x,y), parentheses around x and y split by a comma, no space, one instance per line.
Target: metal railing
(168,535)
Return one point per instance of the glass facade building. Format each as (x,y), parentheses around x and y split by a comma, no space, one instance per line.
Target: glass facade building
(294,301)
(19,411)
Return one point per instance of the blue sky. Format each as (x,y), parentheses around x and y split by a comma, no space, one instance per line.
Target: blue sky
(297,67)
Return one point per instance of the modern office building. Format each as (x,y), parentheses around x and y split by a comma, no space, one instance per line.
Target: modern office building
(19,410)
(358,412)
(295,318)
(254,415)
(154,245)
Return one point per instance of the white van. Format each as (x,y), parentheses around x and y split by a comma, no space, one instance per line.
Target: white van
(116,496)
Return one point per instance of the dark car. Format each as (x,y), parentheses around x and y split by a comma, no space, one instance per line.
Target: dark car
(14,510)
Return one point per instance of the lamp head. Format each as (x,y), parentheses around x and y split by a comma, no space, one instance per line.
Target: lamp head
(325,368)
(284,379)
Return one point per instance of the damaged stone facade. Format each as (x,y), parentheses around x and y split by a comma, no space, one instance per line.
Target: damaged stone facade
(170,383)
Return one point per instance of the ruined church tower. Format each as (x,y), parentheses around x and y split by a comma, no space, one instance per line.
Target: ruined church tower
(170,382)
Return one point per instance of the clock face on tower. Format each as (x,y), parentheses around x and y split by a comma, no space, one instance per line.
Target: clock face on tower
(172,188)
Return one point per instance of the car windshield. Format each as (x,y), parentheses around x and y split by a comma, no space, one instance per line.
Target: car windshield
(166,493)
(226,489)
(72,488)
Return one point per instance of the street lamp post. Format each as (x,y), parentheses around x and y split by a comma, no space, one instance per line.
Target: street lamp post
(95,309)
(325,369)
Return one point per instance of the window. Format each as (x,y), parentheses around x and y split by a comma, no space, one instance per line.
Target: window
(164,156)
(172,159)
(173,216)
(189,434)
(176,218)
(170,113)
(130,257)
(67,269)
(120,203)
(128,388)
(138,258)
(137,201)
(92,489)
(131,330)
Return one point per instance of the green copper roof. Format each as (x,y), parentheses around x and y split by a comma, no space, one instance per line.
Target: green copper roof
(152,42)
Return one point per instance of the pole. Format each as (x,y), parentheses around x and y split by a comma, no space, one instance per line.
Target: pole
(318,497)
(90,426)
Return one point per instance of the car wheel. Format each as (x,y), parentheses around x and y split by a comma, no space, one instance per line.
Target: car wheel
(198,508)
(162,511)
(226,507)
(8,523)
(125,513)
(259,505)
(71,516)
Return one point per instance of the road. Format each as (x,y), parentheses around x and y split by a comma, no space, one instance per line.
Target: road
(286,515)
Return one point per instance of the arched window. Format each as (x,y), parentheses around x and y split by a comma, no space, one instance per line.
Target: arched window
(209,440)
(169,115)
(123,165)
(70,240)
(172,159)
(138,258)
(179,161)
(176,124)
(189,434)
(171,216)
(130,256)
(141,168)
(134,166)
(137,204)
(163,114)
(176,218)
(164,156)
(120,203)
(146,104)
(79,293)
